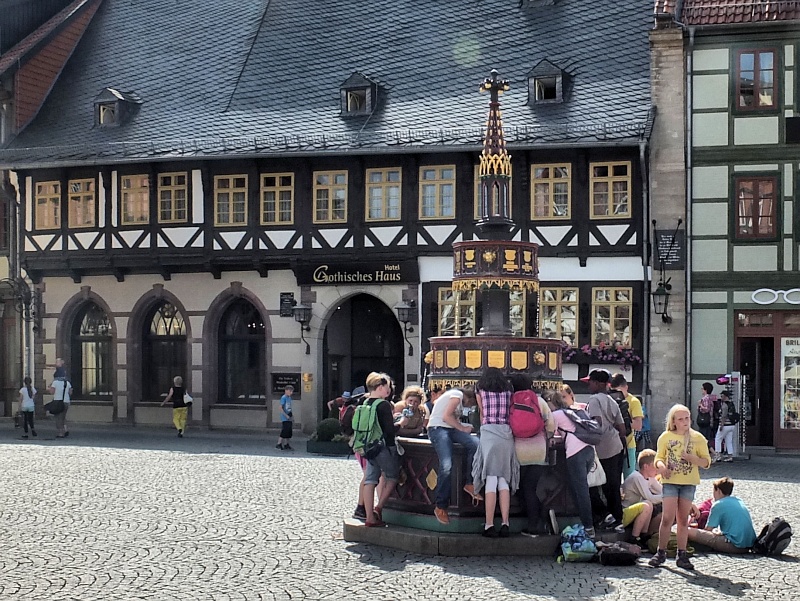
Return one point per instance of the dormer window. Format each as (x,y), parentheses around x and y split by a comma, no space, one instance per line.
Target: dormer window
(113,108)
(358,95)
(546,83)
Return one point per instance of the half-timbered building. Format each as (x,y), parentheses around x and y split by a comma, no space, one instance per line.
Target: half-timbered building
(202,172)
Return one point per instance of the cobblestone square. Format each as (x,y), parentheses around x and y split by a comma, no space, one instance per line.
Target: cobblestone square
(120,513)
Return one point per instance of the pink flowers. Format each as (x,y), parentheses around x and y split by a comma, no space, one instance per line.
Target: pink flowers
(606,352)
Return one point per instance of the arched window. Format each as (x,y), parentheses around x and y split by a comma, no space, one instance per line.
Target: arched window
(164,351)
(242,355)
(91,352)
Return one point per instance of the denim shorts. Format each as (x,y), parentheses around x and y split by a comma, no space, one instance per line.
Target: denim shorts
(680,491)
(387,462)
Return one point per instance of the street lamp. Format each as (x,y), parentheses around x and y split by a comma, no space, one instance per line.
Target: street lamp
(661,299)
(405,314)
(302,315)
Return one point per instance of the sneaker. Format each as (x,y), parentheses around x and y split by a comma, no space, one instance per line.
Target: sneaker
(441,515)
(728,458)
(360,513)
(24,436)
(287,447)
(529,533)
(505,531)
(659,558)
(619,529)
(682,561)
(490,532)
(34,433)
(590,533)
(180,433)
(66,433)
(279,446)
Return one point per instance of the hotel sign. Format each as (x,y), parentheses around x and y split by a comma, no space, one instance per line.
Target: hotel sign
(358,273)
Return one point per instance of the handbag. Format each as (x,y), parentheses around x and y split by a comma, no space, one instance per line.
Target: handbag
(703,419)
(596,475)
(55,406)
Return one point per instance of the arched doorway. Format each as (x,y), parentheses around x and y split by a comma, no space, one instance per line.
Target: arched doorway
(91,343)
(362,335)
(164,350)
(242,354)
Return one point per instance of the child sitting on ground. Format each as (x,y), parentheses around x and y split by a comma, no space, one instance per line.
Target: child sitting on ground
(729,528)
(642,497)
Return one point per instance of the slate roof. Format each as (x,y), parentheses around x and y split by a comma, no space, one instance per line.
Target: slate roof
(731,12)
(261,78)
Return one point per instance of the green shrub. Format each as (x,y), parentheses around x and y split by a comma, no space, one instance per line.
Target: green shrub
(327,429)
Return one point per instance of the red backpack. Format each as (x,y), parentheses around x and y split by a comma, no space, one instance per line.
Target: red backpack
(525,415)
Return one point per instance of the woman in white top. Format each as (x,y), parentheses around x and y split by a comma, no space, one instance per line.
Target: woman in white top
(26,406)
(580,460)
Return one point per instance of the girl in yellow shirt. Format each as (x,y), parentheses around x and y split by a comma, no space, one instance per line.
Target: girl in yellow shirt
(681,451)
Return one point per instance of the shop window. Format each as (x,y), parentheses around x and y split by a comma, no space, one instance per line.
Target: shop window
(437,192)
(611,316)
(277,198)
(755,80)
(754,320)
(330,196)
(48,205)
(756,209)
(164,351)
(550,191)
(173,197)
(242,354)
(610,185)
(558,314)
(384,194)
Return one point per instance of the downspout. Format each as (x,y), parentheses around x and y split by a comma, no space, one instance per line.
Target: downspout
(645,267)
(688,298)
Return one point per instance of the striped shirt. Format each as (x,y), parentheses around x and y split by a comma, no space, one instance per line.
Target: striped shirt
(495,407)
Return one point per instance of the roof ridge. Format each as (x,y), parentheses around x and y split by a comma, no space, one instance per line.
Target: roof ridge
(256,31)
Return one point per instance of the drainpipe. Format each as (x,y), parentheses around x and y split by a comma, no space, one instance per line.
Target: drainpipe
(645,267)
(688,298)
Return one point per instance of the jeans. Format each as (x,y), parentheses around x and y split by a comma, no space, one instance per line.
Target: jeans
(611,489)
(578,467)
(442,440)
(725,433)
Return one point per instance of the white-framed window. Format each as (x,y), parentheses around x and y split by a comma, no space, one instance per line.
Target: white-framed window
(277,198)
(230,200)
(48,205)
(558,314)
(611,315)
(330,196)
(81,203)
(551,191)
(384,192)
(134,199)
(610,185)
(173,193)
(437,192)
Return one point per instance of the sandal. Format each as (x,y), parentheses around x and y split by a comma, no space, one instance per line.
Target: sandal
(476,497)
(378,514)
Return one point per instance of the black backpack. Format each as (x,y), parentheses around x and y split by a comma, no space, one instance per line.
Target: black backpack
(733,415)
(624,408)
(774,538)
(586,428)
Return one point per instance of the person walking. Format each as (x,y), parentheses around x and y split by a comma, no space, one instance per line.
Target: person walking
(61,389)
(705,412)
(26,406)
(180,406)
(287,419)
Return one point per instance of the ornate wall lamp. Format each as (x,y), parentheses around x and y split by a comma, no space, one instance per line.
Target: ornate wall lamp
(406,314)
(302,315)
(661,298)
(26,300)
(661,294)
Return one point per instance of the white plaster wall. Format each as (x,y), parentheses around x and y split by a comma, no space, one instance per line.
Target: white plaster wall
(710,129)
(699,298)
(709,255)
(755,258)
(710,219)
(710,91)
(713,58)
(755,130)
(710,182)
(709,340)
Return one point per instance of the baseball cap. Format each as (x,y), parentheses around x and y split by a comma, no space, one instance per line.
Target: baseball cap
(598,375)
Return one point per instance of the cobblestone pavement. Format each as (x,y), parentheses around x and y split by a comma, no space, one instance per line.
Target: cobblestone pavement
(115,513)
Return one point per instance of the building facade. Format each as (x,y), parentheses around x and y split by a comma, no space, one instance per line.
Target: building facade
(181,198)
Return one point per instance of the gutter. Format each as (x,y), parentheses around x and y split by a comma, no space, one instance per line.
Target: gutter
(688,215)
(646,273)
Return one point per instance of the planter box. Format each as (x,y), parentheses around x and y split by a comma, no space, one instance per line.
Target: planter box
(328,448)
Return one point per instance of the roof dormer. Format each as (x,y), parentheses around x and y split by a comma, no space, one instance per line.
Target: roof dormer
(546,83)
(113,108)
(359,95)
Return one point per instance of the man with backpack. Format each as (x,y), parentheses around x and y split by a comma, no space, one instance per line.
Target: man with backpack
(729,528)
(610,449)
(632,415)
(728,419)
